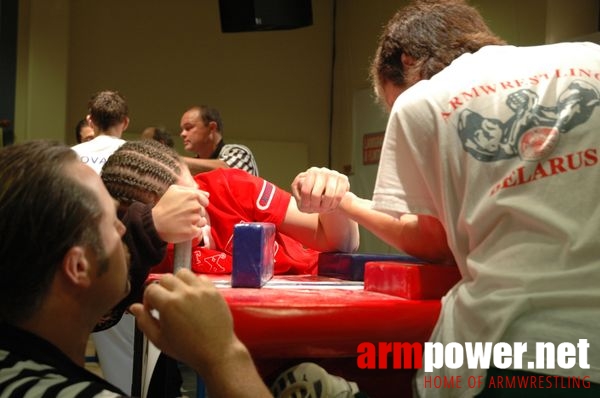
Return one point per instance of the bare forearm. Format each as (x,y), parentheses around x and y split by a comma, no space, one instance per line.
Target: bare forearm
(339,232)
(417,235)
(197,165)
(328,231)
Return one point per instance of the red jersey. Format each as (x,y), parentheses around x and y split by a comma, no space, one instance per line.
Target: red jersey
(236,197)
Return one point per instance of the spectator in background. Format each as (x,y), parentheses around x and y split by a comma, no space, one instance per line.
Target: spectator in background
(109,117)
(202,133)
(83,131)
(159,134)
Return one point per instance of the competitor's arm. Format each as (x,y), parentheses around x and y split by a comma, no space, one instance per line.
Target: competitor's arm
(418,235)
(321,225)
(330,231)
(322,190)
(197,165)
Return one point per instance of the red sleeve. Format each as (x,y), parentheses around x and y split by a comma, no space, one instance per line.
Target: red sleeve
(268,202)
(238,192)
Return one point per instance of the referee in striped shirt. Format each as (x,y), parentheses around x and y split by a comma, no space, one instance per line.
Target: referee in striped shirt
(202,134)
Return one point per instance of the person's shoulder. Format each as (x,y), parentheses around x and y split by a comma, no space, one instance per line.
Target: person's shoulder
(100,143)
(81,146)
(235,147)
(222,174)
(583,49)
(44,376)
(235,179)
(541,52)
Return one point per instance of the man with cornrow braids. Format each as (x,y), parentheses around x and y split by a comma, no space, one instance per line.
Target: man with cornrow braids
(142,171)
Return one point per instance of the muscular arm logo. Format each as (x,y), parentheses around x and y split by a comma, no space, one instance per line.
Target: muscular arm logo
(533,131)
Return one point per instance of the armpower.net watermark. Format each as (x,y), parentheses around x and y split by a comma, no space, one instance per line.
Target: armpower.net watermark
(480,355)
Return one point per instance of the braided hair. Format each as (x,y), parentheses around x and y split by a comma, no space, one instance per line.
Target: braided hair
(141,171)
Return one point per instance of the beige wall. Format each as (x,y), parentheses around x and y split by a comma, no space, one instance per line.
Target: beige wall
(41,85)
(165,56)
(270,86)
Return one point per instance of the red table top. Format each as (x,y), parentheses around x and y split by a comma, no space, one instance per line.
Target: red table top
(320,319)
(309,316)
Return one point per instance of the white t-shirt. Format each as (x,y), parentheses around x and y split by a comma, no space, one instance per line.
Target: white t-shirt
(502,146)
(95,152)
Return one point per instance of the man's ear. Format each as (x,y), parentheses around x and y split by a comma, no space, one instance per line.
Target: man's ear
(76,266)
(412,69)
(125,123)
(91,123)
(407,60)
(212,126)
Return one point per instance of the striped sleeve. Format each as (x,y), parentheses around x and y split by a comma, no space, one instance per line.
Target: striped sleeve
(239,157)
(22,378)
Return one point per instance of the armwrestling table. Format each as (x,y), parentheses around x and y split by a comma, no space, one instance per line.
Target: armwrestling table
(323,319)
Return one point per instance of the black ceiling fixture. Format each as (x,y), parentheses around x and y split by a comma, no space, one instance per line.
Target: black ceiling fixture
(261,15)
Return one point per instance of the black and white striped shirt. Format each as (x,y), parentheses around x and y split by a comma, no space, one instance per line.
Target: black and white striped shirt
(32,367)
(237,157)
